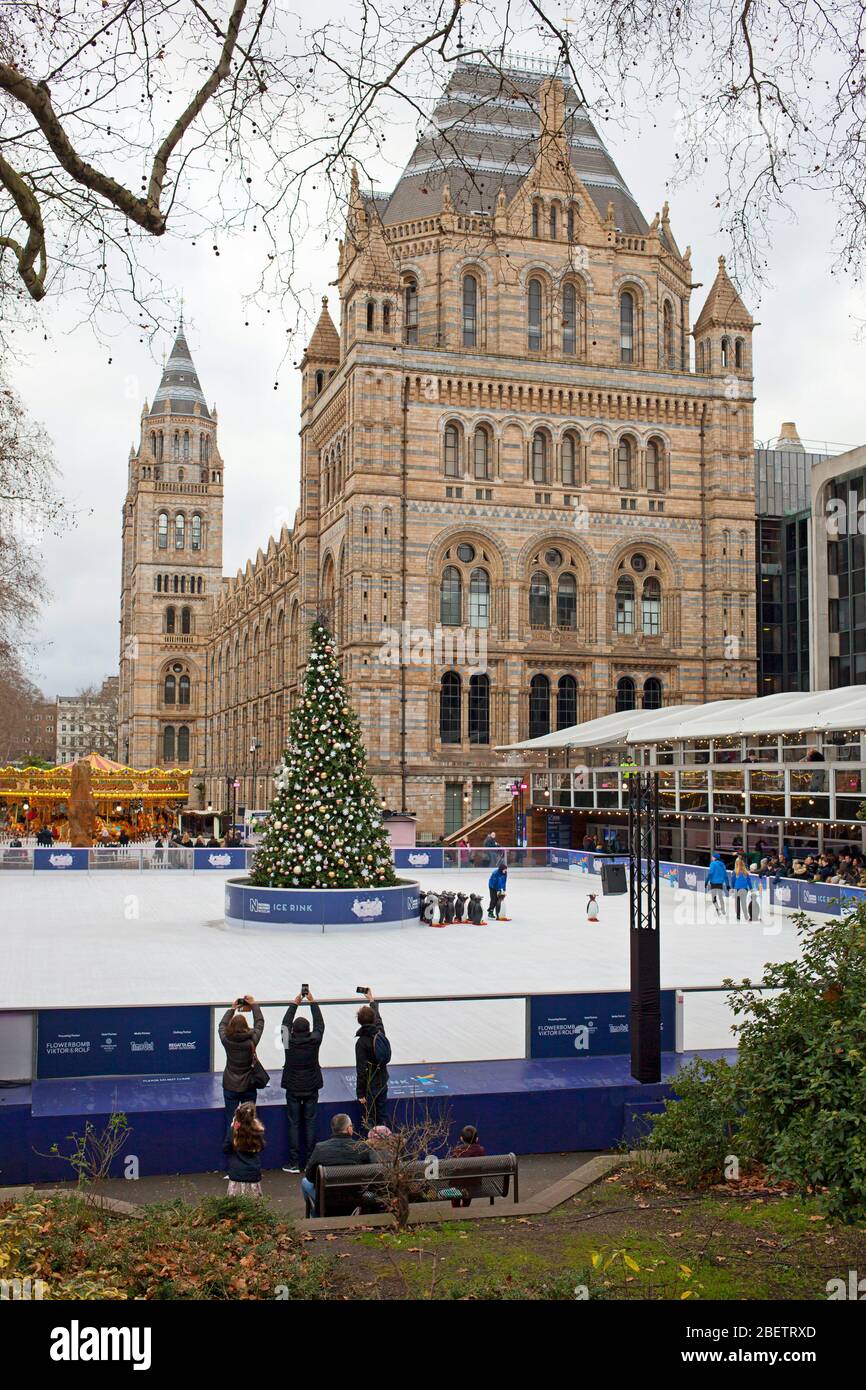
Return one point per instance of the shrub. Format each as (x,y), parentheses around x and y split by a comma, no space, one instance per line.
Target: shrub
(796,1098)
(802,1064)
(699,1127)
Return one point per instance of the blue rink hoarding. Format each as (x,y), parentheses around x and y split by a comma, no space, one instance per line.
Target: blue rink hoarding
(60,860)
(220,859)
(591,1025)
(173,1040)
(316,908)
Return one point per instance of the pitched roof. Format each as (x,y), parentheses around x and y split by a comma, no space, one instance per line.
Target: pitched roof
(180,388)
(484,135)
(325,342)
(723,304)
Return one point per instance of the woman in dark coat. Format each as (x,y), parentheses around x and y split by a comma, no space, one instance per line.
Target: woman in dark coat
(239,1041)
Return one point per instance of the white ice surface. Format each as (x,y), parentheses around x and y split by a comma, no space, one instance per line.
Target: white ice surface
(128,938)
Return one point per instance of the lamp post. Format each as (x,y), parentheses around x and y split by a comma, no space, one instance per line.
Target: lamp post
(254,749)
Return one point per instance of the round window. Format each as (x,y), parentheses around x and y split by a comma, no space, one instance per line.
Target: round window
(177,666)
(638,562)
(553,558)
(466,553)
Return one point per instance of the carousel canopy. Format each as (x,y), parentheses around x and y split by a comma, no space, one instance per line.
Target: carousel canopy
(109,780)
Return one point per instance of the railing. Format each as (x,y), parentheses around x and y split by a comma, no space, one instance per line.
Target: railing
(425,1031)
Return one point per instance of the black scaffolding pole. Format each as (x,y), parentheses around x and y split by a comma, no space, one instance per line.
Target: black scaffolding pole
(643,901)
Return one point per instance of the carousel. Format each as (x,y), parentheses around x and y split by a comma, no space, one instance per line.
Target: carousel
(126,802)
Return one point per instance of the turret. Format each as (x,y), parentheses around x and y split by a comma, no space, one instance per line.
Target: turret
(723,332)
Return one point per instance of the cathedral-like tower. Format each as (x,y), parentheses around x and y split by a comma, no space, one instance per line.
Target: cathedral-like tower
(171,572)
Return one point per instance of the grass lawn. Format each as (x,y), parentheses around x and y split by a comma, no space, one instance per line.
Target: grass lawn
(634,1235)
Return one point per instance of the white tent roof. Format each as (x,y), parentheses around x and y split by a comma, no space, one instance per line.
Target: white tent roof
(790,712)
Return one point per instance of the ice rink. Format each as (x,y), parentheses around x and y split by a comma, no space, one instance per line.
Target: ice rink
(131,938)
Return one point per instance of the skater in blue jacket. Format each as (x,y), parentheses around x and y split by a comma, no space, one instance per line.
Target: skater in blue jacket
(497,884)
(717,884)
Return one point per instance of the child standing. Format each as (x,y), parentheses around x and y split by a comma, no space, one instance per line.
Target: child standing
(592,908)
(244,1144)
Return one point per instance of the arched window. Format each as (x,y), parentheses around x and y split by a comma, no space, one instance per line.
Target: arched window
(479,598)
(168,744)
(179,531)
(726,352)
(651,608)
(479,709)
(566,702)
(185,623)
(481,453)
(162,530)
(158,583)
(652,693)
(169,618)
(566,601)
(624,694)
(539,706)
(626,327)
(470,311)
(320,382)
(569,460)
(186,444)
(410,311)
(183,744)
(539,600)
(625,606)
(195,531)
(738,354)
(554,222)
(540,473)
(451,597)
(371,316)
(169,690)
(570,312)
(452,451)
(668,336)
(624,463)
(386,318)
(450,706)
(183,690)
(534,304)
(175,444)
(653,466)
(536,219)
(183,583)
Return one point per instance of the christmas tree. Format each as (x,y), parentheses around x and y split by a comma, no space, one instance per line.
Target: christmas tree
(324,827)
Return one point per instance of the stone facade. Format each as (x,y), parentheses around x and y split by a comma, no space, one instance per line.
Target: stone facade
(504,446)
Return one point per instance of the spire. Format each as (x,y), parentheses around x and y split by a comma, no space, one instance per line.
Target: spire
(723,308)
(324,345)
(180,389)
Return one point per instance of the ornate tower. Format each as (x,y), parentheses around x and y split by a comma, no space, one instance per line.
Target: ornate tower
(171,572)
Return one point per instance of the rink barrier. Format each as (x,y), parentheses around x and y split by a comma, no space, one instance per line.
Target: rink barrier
(165,1042)
(794,894)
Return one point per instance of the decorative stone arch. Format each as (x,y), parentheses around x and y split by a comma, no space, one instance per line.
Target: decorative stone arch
(650,545)
(560,539)
(474,535)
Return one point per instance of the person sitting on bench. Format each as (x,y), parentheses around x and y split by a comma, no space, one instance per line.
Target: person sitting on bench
(343,1150)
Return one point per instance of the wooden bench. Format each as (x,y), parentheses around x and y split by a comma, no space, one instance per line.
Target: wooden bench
(340,1190)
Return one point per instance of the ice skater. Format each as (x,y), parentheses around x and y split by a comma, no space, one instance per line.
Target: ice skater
(717,884)
(592,908)
(497,884)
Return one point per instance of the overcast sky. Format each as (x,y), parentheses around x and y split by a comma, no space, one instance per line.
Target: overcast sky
(810,367)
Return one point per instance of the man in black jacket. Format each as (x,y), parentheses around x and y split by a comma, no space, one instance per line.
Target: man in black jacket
(342,1150)
(302,1078)
(371,1074)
